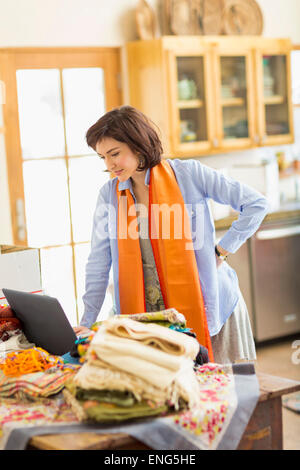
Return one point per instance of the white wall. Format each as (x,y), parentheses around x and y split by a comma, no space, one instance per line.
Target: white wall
(39,23)
(281,18)
(67,22)
(107,22)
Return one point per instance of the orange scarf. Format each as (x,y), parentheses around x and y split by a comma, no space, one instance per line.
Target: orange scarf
(176,266)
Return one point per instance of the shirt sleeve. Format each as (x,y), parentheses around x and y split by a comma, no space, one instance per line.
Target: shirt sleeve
(251,204)
(98,264)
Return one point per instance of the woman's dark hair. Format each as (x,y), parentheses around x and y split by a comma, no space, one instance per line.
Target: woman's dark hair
(129,125)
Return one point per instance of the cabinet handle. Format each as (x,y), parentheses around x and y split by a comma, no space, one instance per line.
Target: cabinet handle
(215,142)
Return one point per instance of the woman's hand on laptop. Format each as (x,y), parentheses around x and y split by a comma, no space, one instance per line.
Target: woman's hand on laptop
(81,330)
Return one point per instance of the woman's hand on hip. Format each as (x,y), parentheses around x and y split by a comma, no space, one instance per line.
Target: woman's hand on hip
(223,252)
(219,261)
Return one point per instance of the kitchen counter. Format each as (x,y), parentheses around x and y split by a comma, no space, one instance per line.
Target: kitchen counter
(288,210)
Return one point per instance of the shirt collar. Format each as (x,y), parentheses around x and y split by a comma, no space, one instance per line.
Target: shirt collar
(127,184)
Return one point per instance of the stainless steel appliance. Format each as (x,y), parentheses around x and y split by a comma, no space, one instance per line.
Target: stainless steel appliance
(268,268)
(275,275)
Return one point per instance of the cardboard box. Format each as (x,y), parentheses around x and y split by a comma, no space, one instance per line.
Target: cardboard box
(19,269)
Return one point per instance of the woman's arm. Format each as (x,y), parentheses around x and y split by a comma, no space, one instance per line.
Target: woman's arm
(251,205)
(98,264)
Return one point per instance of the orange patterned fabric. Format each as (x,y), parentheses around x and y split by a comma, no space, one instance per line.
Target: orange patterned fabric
(176,266)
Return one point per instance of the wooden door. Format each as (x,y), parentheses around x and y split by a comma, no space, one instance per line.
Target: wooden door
(53,96)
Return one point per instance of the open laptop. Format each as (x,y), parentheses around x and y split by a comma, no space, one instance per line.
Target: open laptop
(43,321)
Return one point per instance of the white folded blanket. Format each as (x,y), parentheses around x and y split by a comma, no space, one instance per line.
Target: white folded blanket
(98,375)
(156,336)
(107,345)
(149,360)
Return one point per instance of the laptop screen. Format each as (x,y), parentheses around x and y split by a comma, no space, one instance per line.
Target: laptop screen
(43,320)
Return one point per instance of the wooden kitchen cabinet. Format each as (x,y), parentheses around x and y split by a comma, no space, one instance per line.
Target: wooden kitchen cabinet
(212,94)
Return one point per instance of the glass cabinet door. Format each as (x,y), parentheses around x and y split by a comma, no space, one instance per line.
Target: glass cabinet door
(191,99)
(275,87)
(233,101)
(190,128)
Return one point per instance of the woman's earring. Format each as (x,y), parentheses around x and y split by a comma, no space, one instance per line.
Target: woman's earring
(141,162)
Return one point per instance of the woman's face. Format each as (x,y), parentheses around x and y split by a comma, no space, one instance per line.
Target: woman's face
(118,157)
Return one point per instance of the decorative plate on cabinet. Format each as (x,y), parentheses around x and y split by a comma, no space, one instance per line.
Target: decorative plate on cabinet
(183,18)
(212,16)
(194,17)
(145,20)
(242,17)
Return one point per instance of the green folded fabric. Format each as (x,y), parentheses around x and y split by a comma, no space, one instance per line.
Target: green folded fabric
(104,412)
(113,405)
(124,399)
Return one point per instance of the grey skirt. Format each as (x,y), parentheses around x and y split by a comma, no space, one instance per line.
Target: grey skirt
(235,340)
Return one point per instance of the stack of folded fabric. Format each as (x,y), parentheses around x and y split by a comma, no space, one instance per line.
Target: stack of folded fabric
(8,323)
(134,369)
(12,337)
(169,318)
(36,385)
(33,373)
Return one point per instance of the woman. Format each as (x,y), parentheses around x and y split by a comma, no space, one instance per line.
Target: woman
(152,223)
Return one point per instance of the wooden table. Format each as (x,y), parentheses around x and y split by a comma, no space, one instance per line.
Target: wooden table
(264,430)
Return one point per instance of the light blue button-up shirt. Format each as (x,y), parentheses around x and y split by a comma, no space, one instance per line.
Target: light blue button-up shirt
(198,183)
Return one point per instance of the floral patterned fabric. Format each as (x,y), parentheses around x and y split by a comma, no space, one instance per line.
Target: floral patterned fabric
(14,413)
(228,396)
(167,317)
(170,316)
(206,424)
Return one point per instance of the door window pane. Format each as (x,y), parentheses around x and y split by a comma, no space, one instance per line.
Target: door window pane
(86,178)
(81,255)
(82,252)
(46,202)
(234,97)
(84,101)
(57,278)
(40,113)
